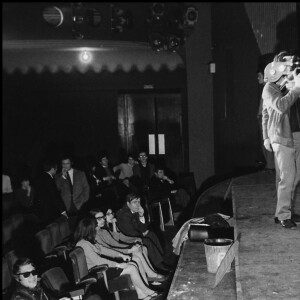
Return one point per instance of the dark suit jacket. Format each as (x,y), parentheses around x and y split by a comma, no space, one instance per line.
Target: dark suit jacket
(129,223)
(159,189)
(81,189)
(144,173)
(49,202)
(100,173)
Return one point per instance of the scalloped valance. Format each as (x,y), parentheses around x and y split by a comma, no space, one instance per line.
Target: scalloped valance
(63,55)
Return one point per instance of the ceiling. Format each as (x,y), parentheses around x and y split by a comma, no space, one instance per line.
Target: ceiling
(29,43)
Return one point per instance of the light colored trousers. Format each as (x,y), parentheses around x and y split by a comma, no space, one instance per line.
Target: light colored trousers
(287,163)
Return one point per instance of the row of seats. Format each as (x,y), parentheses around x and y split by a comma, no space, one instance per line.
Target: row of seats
(56,282)
(13,228)
(55,239)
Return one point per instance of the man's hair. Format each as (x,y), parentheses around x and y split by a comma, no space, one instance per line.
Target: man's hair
(86,229)
(159,167)
(22,261)
(67,156)
(132,196)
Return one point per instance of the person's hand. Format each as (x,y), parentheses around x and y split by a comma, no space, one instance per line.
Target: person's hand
(135,248)
(64,172)
(268,145)
(65,214)
(122,265)
(145,233)
(125,257)
(141,211)
(296,77)
(138,240)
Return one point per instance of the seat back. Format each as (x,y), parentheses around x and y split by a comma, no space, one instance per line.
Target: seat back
(11,257)
(7,231)
(55,234)
(44,239)
(79,265)
(17,220)
(55,281)
(6,276)
(64,227)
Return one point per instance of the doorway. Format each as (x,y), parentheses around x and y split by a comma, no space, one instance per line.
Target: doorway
(153,121)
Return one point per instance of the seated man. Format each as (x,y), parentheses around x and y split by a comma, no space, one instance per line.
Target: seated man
(132,223)
(161,186)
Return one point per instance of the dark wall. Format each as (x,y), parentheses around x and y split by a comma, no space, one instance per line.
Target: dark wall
(50,114)
(236,51)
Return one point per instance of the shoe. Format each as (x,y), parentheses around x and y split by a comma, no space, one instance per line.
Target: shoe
(295,218)
(276,220)
(288,224)
(157,278)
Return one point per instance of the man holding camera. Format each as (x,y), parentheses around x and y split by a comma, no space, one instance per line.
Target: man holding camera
(281,132)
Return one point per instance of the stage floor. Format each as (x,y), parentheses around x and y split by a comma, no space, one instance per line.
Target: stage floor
(268,262)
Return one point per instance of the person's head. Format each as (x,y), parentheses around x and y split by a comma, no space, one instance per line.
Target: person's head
(25,273)
(102,157)
(25,182)
(130,160)
(143,156)
(86,229)
(99,217)
(66,163)
(50,167)
(159,172)
(133,202)
(260,77)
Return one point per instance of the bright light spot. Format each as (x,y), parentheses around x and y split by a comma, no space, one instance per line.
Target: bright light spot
(85,57)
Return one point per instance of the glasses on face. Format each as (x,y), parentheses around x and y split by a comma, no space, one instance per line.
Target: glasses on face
(143,156)
(27,274)
(100,218)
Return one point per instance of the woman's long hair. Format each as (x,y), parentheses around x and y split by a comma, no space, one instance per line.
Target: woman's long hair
(86,229)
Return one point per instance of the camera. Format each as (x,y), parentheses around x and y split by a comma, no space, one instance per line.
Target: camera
(275,70)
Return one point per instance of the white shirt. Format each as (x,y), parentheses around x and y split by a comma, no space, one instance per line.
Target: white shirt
(6,184)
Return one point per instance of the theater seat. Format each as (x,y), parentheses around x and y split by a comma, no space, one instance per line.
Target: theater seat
(81,274)
(6,280)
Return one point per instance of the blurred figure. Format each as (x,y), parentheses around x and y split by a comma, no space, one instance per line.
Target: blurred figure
(268,156)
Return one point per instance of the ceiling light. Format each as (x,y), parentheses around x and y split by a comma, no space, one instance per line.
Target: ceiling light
(190,16)
(85,57)
(158,10)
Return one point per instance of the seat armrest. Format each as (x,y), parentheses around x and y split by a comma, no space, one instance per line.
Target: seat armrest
(98,270)
(76,293)
(87,280)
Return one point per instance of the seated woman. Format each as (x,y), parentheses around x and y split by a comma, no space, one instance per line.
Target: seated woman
(27,286)
(95,254)
(136,250)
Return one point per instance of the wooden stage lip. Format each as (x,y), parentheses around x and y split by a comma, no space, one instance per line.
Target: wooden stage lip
(268,261)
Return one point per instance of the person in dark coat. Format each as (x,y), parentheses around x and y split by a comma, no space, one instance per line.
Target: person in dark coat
(49,203)
(131,222)
(26,278)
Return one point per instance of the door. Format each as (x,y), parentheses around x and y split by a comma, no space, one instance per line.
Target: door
(153,121)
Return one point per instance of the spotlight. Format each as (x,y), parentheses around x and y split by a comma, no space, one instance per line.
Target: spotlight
(158,10)
(190,16)
(85,57)
(173,42)
(120,19)
(93,17)
(157,41)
